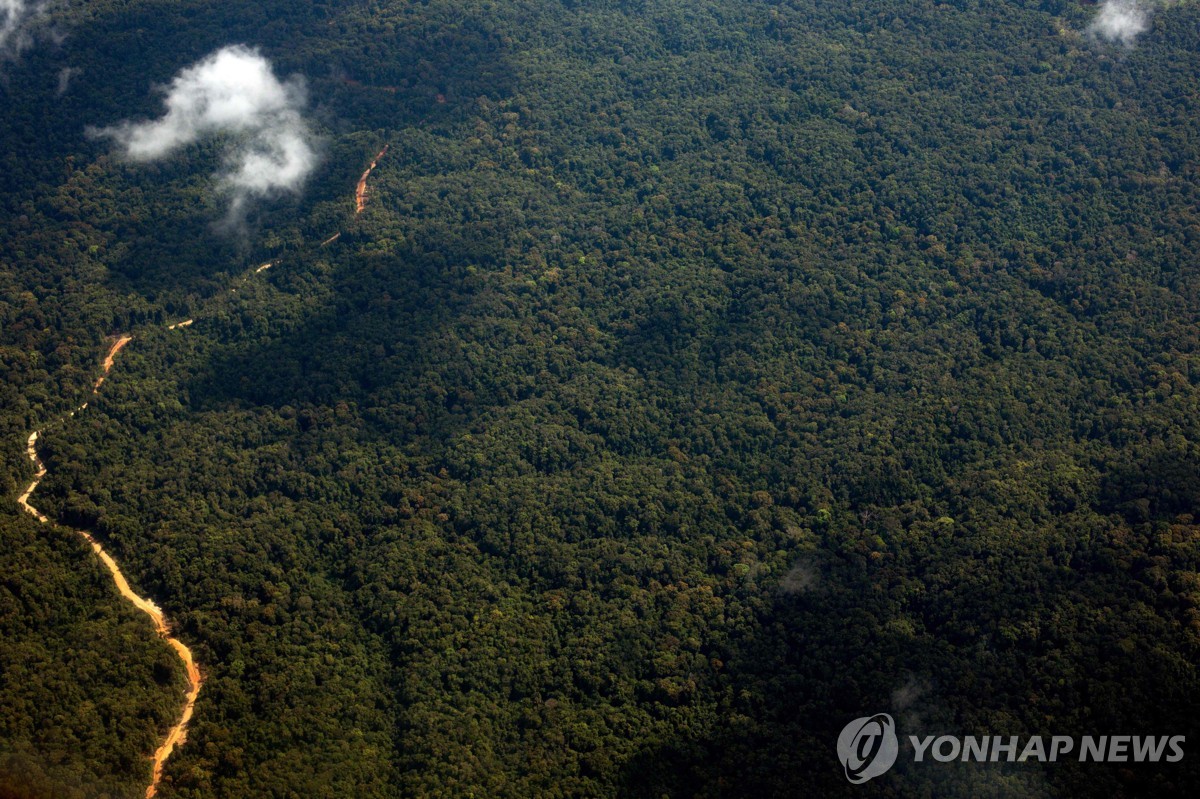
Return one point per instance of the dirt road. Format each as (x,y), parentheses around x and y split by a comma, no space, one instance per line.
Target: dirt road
(177,734)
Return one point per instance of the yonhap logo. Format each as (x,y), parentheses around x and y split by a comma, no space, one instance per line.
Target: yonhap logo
(868,747)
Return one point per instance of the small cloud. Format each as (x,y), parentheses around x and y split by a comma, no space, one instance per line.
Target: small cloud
(234,93)
(64,79)
(274,160)
(907,694)
(1121,21)
(20,20)
(801,578)
(12,20)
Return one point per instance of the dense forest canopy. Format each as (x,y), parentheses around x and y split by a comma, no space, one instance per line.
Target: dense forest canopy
(698,377)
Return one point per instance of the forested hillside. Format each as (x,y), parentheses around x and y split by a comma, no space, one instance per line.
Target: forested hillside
(698,377)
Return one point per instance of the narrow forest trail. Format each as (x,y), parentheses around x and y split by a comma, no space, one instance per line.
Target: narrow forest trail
(177,733)
(116,347)
(360,191)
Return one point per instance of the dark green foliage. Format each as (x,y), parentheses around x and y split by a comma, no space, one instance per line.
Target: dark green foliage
(699,377)
(87,687)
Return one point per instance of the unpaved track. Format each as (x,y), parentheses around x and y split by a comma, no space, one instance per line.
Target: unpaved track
(116,347)
(177,734)
(360,191)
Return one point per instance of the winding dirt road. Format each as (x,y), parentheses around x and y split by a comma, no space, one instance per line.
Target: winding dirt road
(116,347)
(360,191)
(177,734)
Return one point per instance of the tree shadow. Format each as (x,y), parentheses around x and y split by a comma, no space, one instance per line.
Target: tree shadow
(1154,484)
(961,659)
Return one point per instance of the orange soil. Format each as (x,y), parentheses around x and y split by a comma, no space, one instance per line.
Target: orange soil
(360,192)
(177,734)
(116,347)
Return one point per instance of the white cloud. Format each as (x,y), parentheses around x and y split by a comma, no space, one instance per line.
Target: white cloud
(802,577)
(20,20)
(232,92)
(64,79)
(1121,20)
(904,697)
(12,18)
